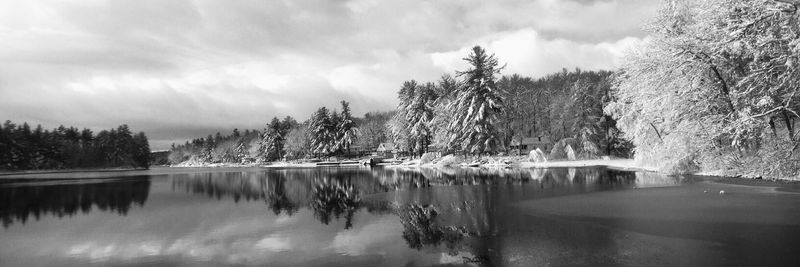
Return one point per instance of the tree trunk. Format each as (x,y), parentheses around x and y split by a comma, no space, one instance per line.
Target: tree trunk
(788,122)
(772,126)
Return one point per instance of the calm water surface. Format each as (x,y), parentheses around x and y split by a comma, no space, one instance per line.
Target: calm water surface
(392,217)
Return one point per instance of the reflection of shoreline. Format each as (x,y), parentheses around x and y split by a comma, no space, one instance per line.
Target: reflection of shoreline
(298,185)
(448,210)
(26,173)
(19,203)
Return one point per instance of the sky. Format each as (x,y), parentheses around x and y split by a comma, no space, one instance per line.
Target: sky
(182,69)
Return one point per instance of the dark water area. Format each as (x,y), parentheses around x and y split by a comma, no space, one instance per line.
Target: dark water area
(393,217)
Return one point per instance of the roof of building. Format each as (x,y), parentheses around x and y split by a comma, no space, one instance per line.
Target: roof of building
(386,147)
(540,140)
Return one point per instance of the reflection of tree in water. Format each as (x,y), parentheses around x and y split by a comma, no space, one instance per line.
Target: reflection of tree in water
(333,193)
(18,203)
(420,227)
(278,200)
(335,197)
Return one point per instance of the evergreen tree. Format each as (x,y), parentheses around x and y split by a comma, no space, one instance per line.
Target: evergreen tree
(320,129)
(400,125)
(273,140)
(347,132)
(141,150)
(477,105)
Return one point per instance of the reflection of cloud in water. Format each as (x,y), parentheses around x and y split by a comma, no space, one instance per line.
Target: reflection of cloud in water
(356,242)
(274,243)
(96,252)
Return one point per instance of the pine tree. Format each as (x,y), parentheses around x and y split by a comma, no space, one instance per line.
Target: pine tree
(401,123)
(272,141)
(141,153)
(347,131)
(419,115)
(477,105)
(320,129)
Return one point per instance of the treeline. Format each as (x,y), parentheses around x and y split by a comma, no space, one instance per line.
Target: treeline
(715,88)
(217,148)
(325,133)
(23,148)
(475,111)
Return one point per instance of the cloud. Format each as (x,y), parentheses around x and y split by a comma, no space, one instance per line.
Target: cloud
(526,52)
(180,68)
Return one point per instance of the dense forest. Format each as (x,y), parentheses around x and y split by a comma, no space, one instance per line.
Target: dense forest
(23,148)
(715,88)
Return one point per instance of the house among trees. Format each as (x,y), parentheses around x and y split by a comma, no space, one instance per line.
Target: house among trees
(527,144)
(249,160)
(387,149)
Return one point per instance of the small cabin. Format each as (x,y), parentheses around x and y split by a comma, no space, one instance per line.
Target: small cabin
(387,149)
(248,160)
(526,144)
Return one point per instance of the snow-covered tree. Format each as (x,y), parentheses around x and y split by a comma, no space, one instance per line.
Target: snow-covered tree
(715,86)
(298,142)
(517,93)
(272,141)
(477,105)
(320,128)
(401,123)
(417,103)
(346,130)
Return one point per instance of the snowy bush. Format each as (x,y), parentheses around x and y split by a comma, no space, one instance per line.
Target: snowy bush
(450,160)
(427,157)
(537,155)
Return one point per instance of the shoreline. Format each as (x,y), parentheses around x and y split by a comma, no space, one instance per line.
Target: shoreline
(57,171)
(616,164)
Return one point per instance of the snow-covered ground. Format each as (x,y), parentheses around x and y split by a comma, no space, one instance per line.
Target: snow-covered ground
(624,164)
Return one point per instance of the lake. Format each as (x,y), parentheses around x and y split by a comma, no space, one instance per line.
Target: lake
(357,216)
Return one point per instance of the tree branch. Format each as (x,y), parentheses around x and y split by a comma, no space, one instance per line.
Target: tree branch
(657,133)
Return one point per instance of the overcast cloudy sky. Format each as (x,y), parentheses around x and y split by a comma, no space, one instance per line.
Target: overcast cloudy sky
(179,69)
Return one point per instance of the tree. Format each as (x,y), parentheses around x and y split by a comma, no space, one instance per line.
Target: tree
(446,89)
(372,129)
(298,142)
(477,105)
(714,88)
(519,108)
(400,125)
(416,107)
(320,128)
(346,130)
(141,153)
(419,115)
(273,141)
(66,147)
